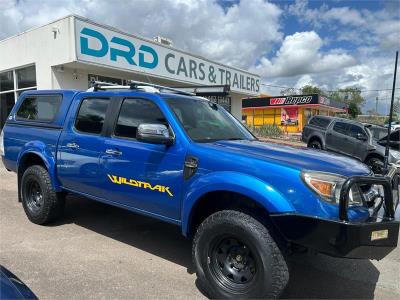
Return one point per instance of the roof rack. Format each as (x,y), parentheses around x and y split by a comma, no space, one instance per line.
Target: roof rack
(135,85)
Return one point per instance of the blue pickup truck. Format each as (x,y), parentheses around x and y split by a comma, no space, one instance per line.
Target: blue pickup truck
(183,159)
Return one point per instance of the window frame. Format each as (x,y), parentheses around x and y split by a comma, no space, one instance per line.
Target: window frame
(118,112)
(104,128)
(15,90)
(346,128)
(361,127)
(17,118)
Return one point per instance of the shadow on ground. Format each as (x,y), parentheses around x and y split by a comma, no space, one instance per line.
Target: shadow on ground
(317,276)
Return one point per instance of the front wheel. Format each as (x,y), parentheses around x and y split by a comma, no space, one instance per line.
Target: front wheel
(236,257)
(376,164)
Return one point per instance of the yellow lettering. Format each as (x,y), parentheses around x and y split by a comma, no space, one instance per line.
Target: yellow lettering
(140,184)
(168,192)
(114,179)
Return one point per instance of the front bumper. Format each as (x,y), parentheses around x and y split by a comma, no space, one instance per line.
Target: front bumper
(338,238)
(373,239)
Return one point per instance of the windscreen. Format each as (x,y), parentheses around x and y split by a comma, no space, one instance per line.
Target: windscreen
(205,121)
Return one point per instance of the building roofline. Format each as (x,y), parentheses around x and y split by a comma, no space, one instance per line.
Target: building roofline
(75,16)
(37,27)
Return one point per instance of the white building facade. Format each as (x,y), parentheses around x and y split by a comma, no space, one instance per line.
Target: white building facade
(71,52)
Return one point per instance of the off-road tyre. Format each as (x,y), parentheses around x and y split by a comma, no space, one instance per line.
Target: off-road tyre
(41,203)
(270,274)
(376,164)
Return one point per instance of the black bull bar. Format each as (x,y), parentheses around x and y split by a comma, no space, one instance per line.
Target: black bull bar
(385,182)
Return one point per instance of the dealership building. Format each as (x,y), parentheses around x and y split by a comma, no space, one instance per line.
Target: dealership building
(73,51)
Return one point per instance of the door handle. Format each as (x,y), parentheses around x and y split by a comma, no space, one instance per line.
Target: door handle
(72,145)
(113,152)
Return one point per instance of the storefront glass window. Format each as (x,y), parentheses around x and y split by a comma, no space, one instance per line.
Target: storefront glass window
(7,101)
(6,81)
(26,77)
(20,92)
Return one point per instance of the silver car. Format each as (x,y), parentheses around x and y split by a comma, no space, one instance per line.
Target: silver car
(364,142)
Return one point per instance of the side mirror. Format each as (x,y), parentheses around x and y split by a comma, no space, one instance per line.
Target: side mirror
(361,137)
(154,134)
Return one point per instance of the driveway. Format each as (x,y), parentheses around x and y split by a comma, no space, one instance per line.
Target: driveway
(101,252)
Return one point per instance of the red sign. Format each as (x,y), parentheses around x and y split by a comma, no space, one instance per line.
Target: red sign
(277,101)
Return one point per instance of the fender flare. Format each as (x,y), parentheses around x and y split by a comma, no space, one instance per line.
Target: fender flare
(259,191)
(40,149)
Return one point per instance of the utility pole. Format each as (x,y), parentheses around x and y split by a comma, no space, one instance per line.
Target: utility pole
(376,105)
(391,113)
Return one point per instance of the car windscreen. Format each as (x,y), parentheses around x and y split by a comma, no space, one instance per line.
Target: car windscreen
(205,121)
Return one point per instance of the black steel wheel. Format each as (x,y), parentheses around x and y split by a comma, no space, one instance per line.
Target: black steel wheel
(235,257)
(232,262)
(315,145)
(34,195)
(41,203)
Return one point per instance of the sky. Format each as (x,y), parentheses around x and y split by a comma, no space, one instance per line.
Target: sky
(332,44)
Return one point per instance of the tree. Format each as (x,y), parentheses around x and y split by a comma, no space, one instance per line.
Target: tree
(309,89)
(348,95)
(354,110)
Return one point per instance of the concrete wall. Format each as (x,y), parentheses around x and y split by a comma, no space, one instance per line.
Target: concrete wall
(40,46)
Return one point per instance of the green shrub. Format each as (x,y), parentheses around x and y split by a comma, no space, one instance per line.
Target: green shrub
(266,131)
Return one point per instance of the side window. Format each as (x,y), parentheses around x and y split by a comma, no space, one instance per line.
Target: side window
(354,130)
(42,108)
(340,127)
(320,122)
(135,112)
(91,114)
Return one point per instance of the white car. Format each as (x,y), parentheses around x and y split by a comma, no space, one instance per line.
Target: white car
(395,125)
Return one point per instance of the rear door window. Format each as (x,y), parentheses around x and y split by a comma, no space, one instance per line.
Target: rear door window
(320,122)
(42,108)
(341,127)
(91,115)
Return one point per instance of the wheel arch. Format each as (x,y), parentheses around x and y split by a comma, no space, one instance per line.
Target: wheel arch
(37,154)
(229,190)
(373,155)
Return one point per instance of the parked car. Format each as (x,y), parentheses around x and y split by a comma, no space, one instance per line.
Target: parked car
(361,141)
(185,160)
(11,287)
(395,125)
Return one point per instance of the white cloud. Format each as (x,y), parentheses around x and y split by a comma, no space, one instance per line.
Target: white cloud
(300,54)
(245,33)
(237,36)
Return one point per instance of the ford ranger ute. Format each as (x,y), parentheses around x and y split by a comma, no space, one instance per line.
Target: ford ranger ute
(183,159)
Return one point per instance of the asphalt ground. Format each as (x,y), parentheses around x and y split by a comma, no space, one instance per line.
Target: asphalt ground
(102,252)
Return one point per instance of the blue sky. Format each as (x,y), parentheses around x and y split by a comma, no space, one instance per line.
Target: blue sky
(331,44)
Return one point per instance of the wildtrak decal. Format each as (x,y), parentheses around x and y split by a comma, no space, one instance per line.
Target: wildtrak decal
(139,184)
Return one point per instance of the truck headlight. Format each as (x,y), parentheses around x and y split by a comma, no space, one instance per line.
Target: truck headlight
(328,187)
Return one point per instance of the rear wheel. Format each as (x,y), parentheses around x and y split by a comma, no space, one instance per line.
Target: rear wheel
(315,144)
(235,257)
(41,203)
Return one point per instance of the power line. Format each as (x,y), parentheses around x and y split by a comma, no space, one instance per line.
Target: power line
(288,87)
